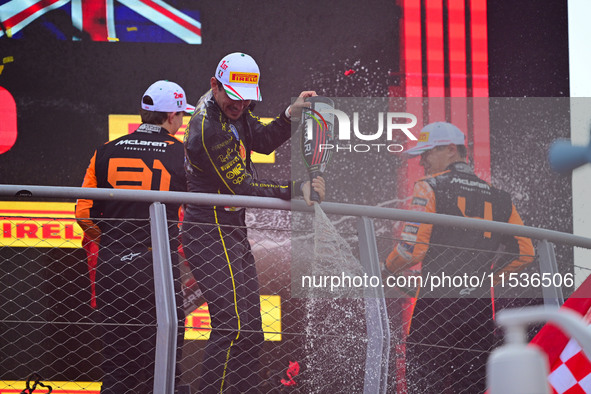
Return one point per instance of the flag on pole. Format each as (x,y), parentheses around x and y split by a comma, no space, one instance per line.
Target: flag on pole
(102,20)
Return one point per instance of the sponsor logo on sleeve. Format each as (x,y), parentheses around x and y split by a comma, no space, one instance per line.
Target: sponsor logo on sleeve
(234,131)
(408,237)
(410,229)
(421,202)
(424,136)
(130,256)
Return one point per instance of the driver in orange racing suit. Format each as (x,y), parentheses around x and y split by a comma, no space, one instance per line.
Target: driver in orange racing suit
(150,158)
(451,331)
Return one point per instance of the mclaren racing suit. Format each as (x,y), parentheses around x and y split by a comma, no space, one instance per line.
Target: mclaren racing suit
(217,160)
(148,159)
(452,328)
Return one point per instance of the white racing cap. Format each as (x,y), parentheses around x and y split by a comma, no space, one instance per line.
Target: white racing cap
(239,74)
(437,134)
(167,97)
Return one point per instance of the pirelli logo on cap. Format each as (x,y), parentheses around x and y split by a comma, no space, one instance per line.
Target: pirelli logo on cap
(424,136)
(252,78)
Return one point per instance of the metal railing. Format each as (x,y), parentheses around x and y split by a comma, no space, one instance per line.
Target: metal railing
(379,338)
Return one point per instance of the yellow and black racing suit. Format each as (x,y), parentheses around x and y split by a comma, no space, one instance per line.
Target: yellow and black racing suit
(217,160)
(148,159)
(451,330)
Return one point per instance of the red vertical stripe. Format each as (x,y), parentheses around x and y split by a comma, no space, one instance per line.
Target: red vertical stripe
(457,64)
(411,44)
(457,48)
(479,48)
(6,230)
(461,112)
(480,89)
(435,58)
(94,19)
(413,78)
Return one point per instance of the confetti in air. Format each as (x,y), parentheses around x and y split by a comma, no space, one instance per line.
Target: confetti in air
(6,59)
(349,72)
(292,371)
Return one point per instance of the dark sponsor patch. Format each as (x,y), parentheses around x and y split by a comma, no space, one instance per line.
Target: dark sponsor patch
(407,247)
(421,202)
(222,144)
(410,229)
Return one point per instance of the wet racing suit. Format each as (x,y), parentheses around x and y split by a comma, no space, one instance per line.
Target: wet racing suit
(450,319)
(217,160)
(148,159)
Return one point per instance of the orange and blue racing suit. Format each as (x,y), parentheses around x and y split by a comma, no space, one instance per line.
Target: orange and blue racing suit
(150,158)
(451,330)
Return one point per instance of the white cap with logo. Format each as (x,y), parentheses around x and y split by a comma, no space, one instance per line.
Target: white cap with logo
(167,97)
(437,134)
(239,74)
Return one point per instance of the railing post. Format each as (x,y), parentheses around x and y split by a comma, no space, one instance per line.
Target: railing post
(167,324)
(376,314)
(552,294)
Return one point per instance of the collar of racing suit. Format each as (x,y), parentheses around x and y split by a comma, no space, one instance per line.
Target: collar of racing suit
(207,102)
(151,129)
(460,166)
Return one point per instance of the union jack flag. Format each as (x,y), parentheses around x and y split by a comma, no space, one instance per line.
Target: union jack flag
(102,20)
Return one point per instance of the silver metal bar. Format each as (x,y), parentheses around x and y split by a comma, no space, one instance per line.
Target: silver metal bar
(376,315)
(552,294)
(165,363)
(296,205)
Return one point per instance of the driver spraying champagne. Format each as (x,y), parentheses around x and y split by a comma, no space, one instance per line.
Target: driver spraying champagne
(219,140)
